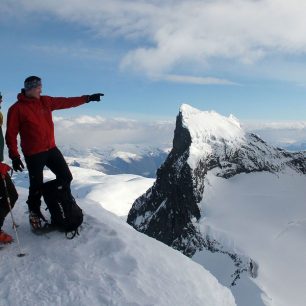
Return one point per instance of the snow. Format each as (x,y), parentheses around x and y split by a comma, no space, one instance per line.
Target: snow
(263,216)
(108,264)
(115,193)
(207,130)
(126,156)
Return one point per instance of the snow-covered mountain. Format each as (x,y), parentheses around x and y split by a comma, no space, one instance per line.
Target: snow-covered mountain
(224,197)
(118,159)
(233,203)
(108,264)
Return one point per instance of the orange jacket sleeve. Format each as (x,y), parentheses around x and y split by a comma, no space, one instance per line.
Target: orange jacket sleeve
(12,130)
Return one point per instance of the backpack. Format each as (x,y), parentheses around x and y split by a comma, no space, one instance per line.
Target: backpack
(65,212)
(8,192)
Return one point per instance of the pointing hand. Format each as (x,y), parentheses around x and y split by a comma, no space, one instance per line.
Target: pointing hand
(95,97)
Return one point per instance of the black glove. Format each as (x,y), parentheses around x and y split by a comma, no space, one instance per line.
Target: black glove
(17,164)
(95,97)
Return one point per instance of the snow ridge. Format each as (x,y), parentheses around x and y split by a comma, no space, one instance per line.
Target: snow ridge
(108,264)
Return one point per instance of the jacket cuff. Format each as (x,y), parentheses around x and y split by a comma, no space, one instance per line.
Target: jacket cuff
(86,98)
(15,156)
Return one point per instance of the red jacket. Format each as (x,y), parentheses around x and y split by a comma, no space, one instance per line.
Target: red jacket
(32,119)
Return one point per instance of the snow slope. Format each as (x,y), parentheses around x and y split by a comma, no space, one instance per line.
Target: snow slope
(261,215)
(115,193)
(108,264)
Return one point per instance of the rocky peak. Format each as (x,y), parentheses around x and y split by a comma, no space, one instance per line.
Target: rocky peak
(203,141)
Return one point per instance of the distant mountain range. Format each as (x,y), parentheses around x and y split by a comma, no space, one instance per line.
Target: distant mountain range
(128,159)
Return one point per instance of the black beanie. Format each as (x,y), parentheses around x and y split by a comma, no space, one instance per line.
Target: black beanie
(32,82)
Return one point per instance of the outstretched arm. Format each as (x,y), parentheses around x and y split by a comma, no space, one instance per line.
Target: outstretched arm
(61,103)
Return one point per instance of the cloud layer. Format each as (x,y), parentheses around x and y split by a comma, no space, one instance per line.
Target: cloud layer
(88,132)
(168,36)
(99,132)
(280,133)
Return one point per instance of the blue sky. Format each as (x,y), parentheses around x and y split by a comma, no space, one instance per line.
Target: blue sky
(148,57)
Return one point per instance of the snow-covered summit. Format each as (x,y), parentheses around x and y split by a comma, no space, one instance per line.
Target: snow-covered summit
(206,124)
(210,132)
(224,144)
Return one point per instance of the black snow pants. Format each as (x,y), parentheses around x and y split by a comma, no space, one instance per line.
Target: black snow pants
(55,161)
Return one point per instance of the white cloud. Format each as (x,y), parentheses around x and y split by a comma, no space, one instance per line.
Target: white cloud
(187,34)
(194,80)
(280,133)
(99,132)
(275,125)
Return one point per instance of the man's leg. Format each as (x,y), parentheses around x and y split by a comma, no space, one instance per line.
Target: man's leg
(3,214)
(57,164)
(35,165)
(3,205)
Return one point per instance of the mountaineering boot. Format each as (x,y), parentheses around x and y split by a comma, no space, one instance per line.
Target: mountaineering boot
(5,238)
(35,220)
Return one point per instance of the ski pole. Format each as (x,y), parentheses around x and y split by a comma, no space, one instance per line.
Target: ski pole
(21,254)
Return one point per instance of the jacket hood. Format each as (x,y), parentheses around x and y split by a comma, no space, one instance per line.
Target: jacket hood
(22,97)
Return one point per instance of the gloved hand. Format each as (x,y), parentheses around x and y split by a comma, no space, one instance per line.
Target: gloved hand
(17,164)
(95,97)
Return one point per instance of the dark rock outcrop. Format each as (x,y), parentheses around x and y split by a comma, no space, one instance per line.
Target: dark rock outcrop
(168,210)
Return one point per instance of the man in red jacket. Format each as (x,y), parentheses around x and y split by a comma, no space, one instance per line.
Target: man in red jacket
(31,117)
